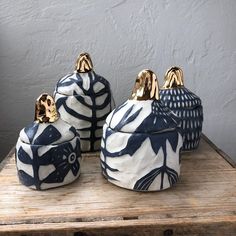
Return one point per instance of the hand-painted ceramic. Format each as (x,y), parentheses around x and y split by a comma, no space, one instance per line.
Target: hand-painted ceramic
(84,100)
(142,141)
(48,150)
(185,105)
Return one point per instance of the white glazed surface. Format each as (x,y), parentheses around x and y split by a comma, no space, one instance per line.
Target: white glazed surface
(48,155)
(141,146)
(40,41)
(45,170)
(59,124)
(144,160)
(88,114)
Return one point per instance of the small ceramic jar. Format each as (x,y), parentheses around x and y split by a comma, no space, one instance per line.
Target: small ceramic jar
(142,141)
(185,104)
(48,150)
(84,100)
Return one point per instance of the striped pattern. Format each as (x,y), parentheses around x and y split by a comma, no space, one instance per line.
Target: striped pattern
(84,100)
(187,106)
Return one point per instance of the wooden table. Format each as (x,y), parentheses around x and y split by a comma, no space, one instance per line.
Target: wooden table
(203,202)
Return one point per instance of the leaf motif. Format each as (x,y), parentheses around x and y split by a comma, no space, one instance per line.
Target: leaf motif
(24,157)
(31,130)
(48,136)
(133,144)
(25,178)
(60,102)
(105,103)
(145,182)
(64,84)
(76,114)
(172,175)
(104,170)
(81,100)
(75,167)
(57,176)
(123,119)
(79,82)
(130,118)
(108,167)
(73,130)
(126,119)
(61,81)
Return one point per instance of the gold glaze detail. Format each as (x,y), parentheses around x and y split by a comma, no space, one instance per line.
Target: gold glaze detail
(45,109)
(146,86)
(84,63)
(173,78)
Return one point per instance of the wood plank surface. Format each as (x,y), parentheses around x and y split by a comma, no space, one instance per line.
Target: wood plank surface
(203,202)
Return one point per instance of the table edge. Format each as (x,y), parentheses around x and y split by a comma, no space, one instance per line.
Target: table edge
(219,151)
(170,223)
(7,158)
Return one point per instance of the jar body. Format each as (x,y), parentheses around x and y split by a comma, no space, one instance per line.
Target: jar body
(141,161)
(86,108)
(187,106)
(48,166)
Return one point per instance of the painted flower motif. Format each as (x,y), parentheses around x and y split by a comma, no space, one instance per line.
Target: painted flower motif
(24,157)
(65,158)
(170,141)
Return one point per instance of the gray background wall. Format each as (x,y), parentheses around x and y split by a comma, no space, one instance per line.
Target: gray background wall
(40,41)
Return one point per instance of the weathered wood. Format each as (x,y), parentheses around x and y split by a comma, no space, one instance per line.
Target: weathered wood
(218,150)
(203,202)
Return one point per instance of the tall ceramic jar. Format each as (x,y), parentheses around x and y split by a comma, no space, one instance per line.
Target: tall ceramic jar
(47,150)
(142,140)
(185,104)
(84,99)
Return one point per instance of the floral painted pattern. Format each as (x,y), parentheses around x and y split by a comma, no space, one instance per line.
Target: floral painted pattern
(84,100)
(148,158)
(49,164)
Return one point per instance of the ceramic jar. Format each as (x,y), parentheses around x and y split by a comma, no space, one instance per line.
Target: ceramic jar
(185,104)
(83,99)
(142,140)
(47,150)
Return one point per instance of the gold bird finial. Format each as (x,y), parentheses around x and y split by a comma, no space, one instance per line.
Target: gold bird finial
(45,109)
(146,86)
(84,63)
(173,78)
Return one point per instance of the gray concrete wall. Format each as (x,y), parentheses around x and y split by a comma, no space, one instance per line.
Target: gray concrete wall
(40,41)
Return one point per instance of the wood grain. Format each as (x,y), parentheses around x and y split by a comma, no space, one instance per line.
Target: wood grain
(203,202)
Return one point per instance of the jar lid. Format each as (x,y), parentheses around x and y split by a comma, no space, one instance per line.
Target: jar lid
(174,94)
(143,112)
(83,81)
(48,128)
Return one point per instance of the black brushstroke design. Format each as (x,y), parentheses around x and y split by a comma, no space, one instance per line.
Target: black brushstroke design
(94,78)
(140,135)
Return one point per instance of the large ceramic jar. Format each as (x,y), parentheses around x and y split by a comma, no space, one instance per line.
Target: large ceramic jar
(83,99)
(47,150)
(142,140)
(185,104)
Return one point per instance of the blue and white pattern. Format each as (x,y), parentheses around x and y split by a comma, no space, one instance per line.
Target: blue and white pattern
(187,106)
(48,155)
(84,100)
(141,146)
